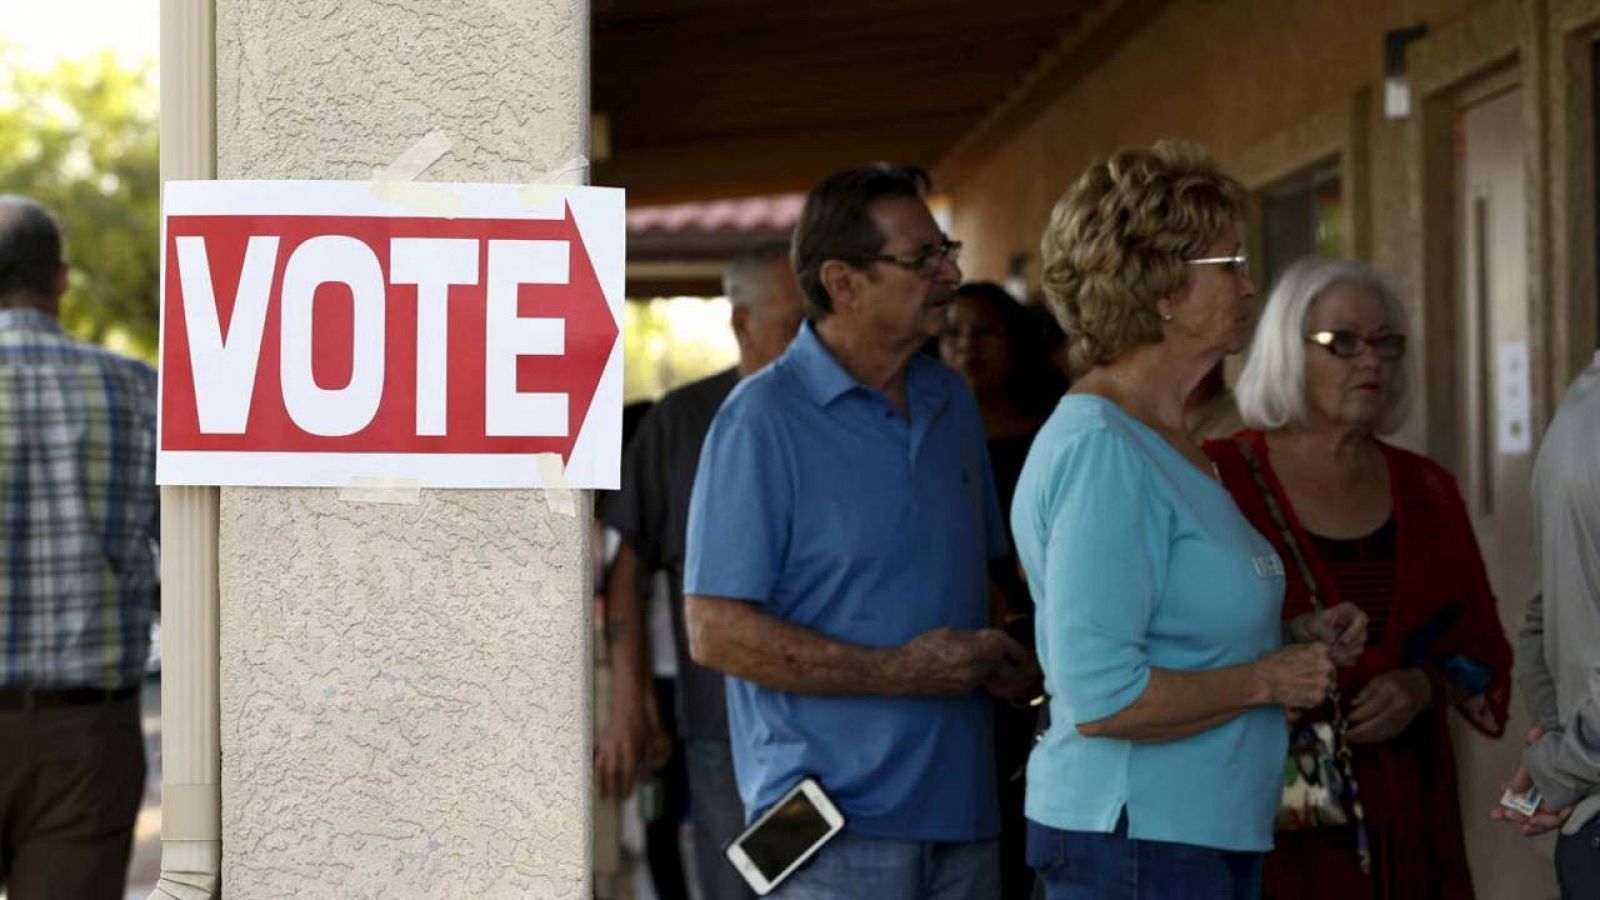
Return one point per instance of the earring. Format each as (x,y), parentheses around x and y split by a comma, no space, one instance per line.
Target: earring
(1166,317)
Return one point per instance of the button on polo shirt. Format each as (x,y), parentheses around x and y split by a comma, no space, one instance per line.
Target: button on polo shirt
(818,501)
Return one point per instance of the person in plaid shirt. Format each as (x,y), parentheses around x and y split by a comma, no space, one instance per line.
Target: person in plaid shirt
(78,526)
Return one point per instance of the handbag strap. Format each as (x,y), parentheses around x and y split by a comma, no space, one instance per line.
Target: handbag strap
(1341,725)
(1282,521)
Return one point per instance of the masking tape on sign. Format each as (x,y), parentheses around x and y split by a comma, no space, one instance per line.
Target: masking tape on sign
(397,491)
(397,183)
(553,475)
(416,159)
(555,184)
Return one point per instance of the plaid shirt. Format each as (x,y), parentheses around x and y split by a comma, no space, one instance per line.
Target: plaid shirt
(78,508)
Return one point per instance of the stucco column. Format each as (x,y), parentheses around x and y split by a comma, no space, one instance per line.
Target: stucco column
(404,707)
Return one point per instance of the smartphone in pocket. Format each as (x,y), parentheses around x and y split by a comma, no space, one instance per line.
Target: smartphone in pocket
(790,832)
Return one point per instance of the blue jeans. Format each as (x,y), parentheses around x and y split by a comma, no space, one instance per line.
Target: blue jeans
(718,817)
(884,869)
(1088,865)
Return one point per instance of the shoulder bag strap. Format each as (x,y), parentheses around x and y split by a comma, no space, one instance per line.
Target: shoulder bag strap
(1341,725)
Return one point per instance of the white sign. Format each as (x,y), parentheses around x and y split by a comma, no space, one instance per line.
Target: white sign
(322,333)
(1514,405)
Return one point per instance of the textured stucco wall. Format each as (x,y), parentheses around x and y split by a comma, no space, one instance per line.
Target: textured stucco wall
(404,707)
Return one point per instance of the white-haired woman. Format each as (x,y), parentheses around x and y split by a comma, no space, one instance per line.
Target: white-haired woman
(1386,530)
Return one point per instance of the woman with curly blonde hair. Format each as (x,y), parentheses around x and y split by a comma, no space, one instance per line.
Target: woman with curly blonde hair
(1157,602)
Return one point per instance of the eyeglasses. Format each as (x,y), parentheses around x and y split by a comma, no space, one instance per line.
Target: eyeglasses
(929,261)
(1238,263)
(1348,344)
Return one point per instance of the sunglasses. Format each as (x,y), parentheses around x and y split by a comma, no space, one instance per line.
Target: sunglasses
(1349,344)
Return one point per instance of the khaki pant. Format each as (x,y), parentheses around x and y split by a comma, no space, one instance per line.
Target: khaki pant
(70,784)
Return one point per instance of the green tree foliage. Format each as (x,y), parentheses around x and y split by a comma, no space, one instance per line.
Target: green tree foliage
(81,138)
(669,342)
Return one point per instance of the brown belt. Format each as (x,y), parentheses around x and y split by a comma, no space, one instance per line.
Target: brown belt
(13,699)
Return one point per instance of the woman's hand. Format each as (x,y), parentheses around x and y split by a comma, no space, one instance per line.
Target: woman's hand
(1388,704)
(1297,676)
(1343,628)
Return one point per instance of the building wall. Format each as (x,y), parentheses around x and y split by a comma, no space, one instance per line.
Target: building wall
(1238,75)
(404,686)
(1275,86)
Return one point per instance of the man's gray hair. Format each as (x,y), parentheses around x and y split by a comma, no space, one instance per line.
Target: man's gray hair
(1272,388)
(741,281)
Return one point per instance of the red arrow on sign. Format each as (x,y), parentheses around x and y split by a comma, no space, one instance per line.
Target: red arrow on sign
(355,388)
(577,373)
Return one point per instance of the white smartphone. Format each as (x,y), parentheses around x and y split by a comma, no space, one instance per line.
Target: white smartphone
(790,832)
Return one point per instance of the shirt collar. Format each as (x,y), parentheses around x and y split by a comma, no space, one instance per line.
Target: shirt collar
(825,380)
(24,319)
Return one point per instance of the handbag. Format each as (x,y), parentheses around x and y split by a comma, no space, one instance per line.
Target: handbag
(1319,778)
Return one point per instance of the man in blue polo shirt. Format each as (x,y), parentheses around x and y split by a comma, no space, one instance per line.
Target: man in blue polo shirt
(840,530)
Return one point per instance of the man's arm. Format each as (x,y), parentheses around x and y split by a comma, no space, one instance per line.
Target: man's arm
(1533,674)
(633,735)
(1543,819)
(1565,763)
(736,637)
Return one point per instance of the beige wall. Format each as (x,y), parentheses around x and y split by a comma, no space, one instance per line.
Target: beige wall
(1239,75)
(1274,86)
(404,706)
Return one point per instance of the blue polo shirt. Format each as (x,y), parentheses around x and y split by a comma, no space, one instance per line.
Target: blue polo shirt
(1138,560)
(818,501)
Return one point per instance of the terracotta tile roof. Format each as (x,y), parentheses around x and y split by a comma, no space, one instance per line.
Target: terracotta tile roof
(776,213)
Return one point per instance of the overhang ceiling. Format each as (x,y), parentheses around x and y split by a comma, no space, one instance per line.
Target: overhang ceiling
(708,99)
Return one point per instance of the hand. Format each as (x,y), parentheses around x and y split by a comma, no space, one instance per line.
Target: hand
(1297,676)
(1343,628)
(1388,704)
(1545,817)
(658,743)
(949,662)
(1018,678)
(633,742)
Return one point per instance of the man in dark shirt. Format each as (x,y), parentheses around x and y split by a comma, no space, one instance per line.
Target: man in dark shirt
(651,512)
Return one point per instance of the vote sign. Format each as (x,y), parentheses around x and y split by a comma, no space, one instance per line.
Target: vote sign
(317,333)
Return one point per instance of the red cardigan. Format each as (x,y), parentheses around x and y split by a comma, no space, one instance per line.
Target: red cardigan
(1408,784)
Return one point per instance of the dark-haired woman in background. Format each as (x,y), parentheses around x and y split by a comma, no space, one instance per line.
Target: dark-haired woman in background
(997,345)
(999,348)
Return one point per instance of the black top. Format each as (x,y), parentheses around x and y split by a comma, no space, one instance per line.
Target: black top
(651,512)
(1006,456)
(1362,570)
